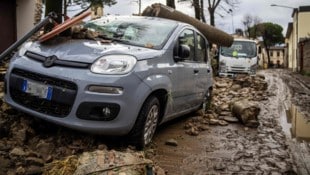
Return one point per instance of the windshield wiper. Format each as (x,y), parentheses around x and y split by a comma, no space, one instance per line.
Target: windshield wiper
(113,39)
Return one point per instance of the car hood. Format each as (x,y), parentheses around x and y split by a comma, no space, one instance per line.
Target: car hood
(88,51)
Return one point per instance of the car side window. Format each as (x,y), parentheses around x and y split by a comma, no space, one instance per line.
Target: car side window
(201,46)
(187,37)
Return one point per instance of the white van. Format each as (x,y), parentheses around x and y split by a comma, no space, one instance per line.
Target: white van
(240,57)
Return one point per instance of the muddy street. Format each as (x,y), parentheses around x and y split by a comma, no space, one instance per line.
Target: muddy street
(236,149)
(212,143)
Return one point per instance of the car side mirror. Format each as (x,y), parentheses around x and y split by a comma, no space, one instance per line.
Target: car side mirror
(183,52)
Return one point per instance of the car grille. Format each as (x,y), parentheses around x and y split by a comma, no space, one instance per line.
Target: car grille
(56,107)
(57,62)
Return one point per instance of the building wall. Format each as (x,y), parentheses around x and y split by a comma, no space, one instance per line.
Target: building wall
(25,14)
(306,57)
(304,25)
(277,57)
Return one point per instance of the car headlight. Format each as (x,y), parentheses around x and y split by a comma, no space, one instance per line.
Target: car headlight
(114,64)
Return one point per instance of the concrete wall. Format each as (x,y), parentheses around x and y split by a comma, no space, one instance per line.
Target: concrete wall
(25,13)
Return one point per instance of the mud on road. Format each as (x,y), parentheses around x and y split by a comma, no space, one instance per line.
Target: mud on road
(211,143)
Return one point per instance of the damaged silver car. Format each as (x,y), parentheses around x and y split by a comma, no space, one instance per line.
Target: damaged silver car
(132,75)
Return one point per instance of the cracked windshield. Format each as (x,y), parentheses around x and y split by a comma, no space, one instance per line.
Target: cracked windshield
(156,87)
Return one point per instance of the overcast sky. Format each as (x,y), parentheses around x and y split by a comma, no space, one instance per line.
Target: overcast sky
(260,8)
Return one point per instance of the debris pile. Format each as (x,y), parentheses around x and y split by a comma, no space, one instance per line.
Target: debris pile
(101,162)
(234,100)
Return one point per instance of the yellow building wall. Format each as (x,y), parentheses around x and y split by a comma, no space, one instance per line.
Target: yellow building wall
(304,24)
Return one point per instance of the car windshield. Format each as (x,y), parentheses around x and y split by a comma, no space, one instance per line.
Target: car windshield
(146,32)
(246,49)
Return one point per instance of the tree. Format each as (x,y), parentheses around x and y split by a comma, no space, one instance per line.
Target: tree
(248,21)
(170,3)
(227,5)
(271,34)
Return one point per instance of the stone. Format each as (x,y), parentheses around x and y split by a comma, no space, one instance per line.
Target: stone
(32,170)
(4,163)
(223,123)
(19,135)
(20,170)
(34,161)
(213,122)
(18,152)
(231,119)
(193,132)
(171,142)
(220,166)
(233,168)
(45,149)
(102,147)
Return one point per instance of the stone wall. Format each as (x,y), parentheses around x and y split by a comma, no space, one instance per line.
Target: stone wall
(306,56)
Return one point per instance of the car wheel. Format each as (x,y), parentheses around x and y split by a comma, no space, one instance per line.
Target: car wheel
(146,123)
(207,101)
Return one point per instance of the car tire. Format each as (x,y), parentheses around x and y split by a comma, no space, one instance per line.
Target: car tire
(208,99)
(146,123)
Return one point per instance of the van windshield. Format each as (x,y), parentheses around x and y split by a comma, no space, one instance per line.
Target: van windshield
(246,49)
(151,33)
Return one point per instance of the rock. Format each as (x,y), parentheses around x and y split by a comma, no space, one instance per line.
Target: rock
(4,164)
(235,87)
(18,152)
(247,167)
(171,142)
(20,170)
(102,147)
(213,122)
(233,168)
(219,166)
(203,127)
(193,131)
(223,123)
(34,161)
(231,119)
(32,170)
(19,135)
(221,85)
(45,149)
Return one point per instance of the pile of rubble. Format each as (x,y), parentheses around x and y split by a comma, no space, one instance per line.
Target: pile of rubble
(234,100)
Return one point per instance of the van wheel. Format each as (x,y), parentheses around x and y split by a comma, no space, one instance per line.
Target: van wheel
(146,124)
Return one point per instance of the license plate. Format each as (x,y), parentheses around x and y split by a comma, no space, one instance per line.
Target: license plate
(37,89)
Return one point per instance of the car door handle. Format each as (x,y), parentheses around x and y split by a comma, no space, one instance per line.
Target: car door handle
(196,71)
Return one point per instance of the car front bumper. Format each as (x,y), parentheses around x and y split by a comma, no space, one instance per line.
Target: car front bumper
(73,103)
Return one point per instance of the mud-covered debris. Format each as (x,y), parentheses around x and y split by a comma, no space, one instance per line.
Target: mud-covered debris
(231,119)
(246,112)
(101,162)
(171,142)
(192,131)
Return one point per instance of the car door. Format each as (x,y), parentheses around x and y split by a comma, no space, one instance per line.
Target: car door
(203,71)
(184,72)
